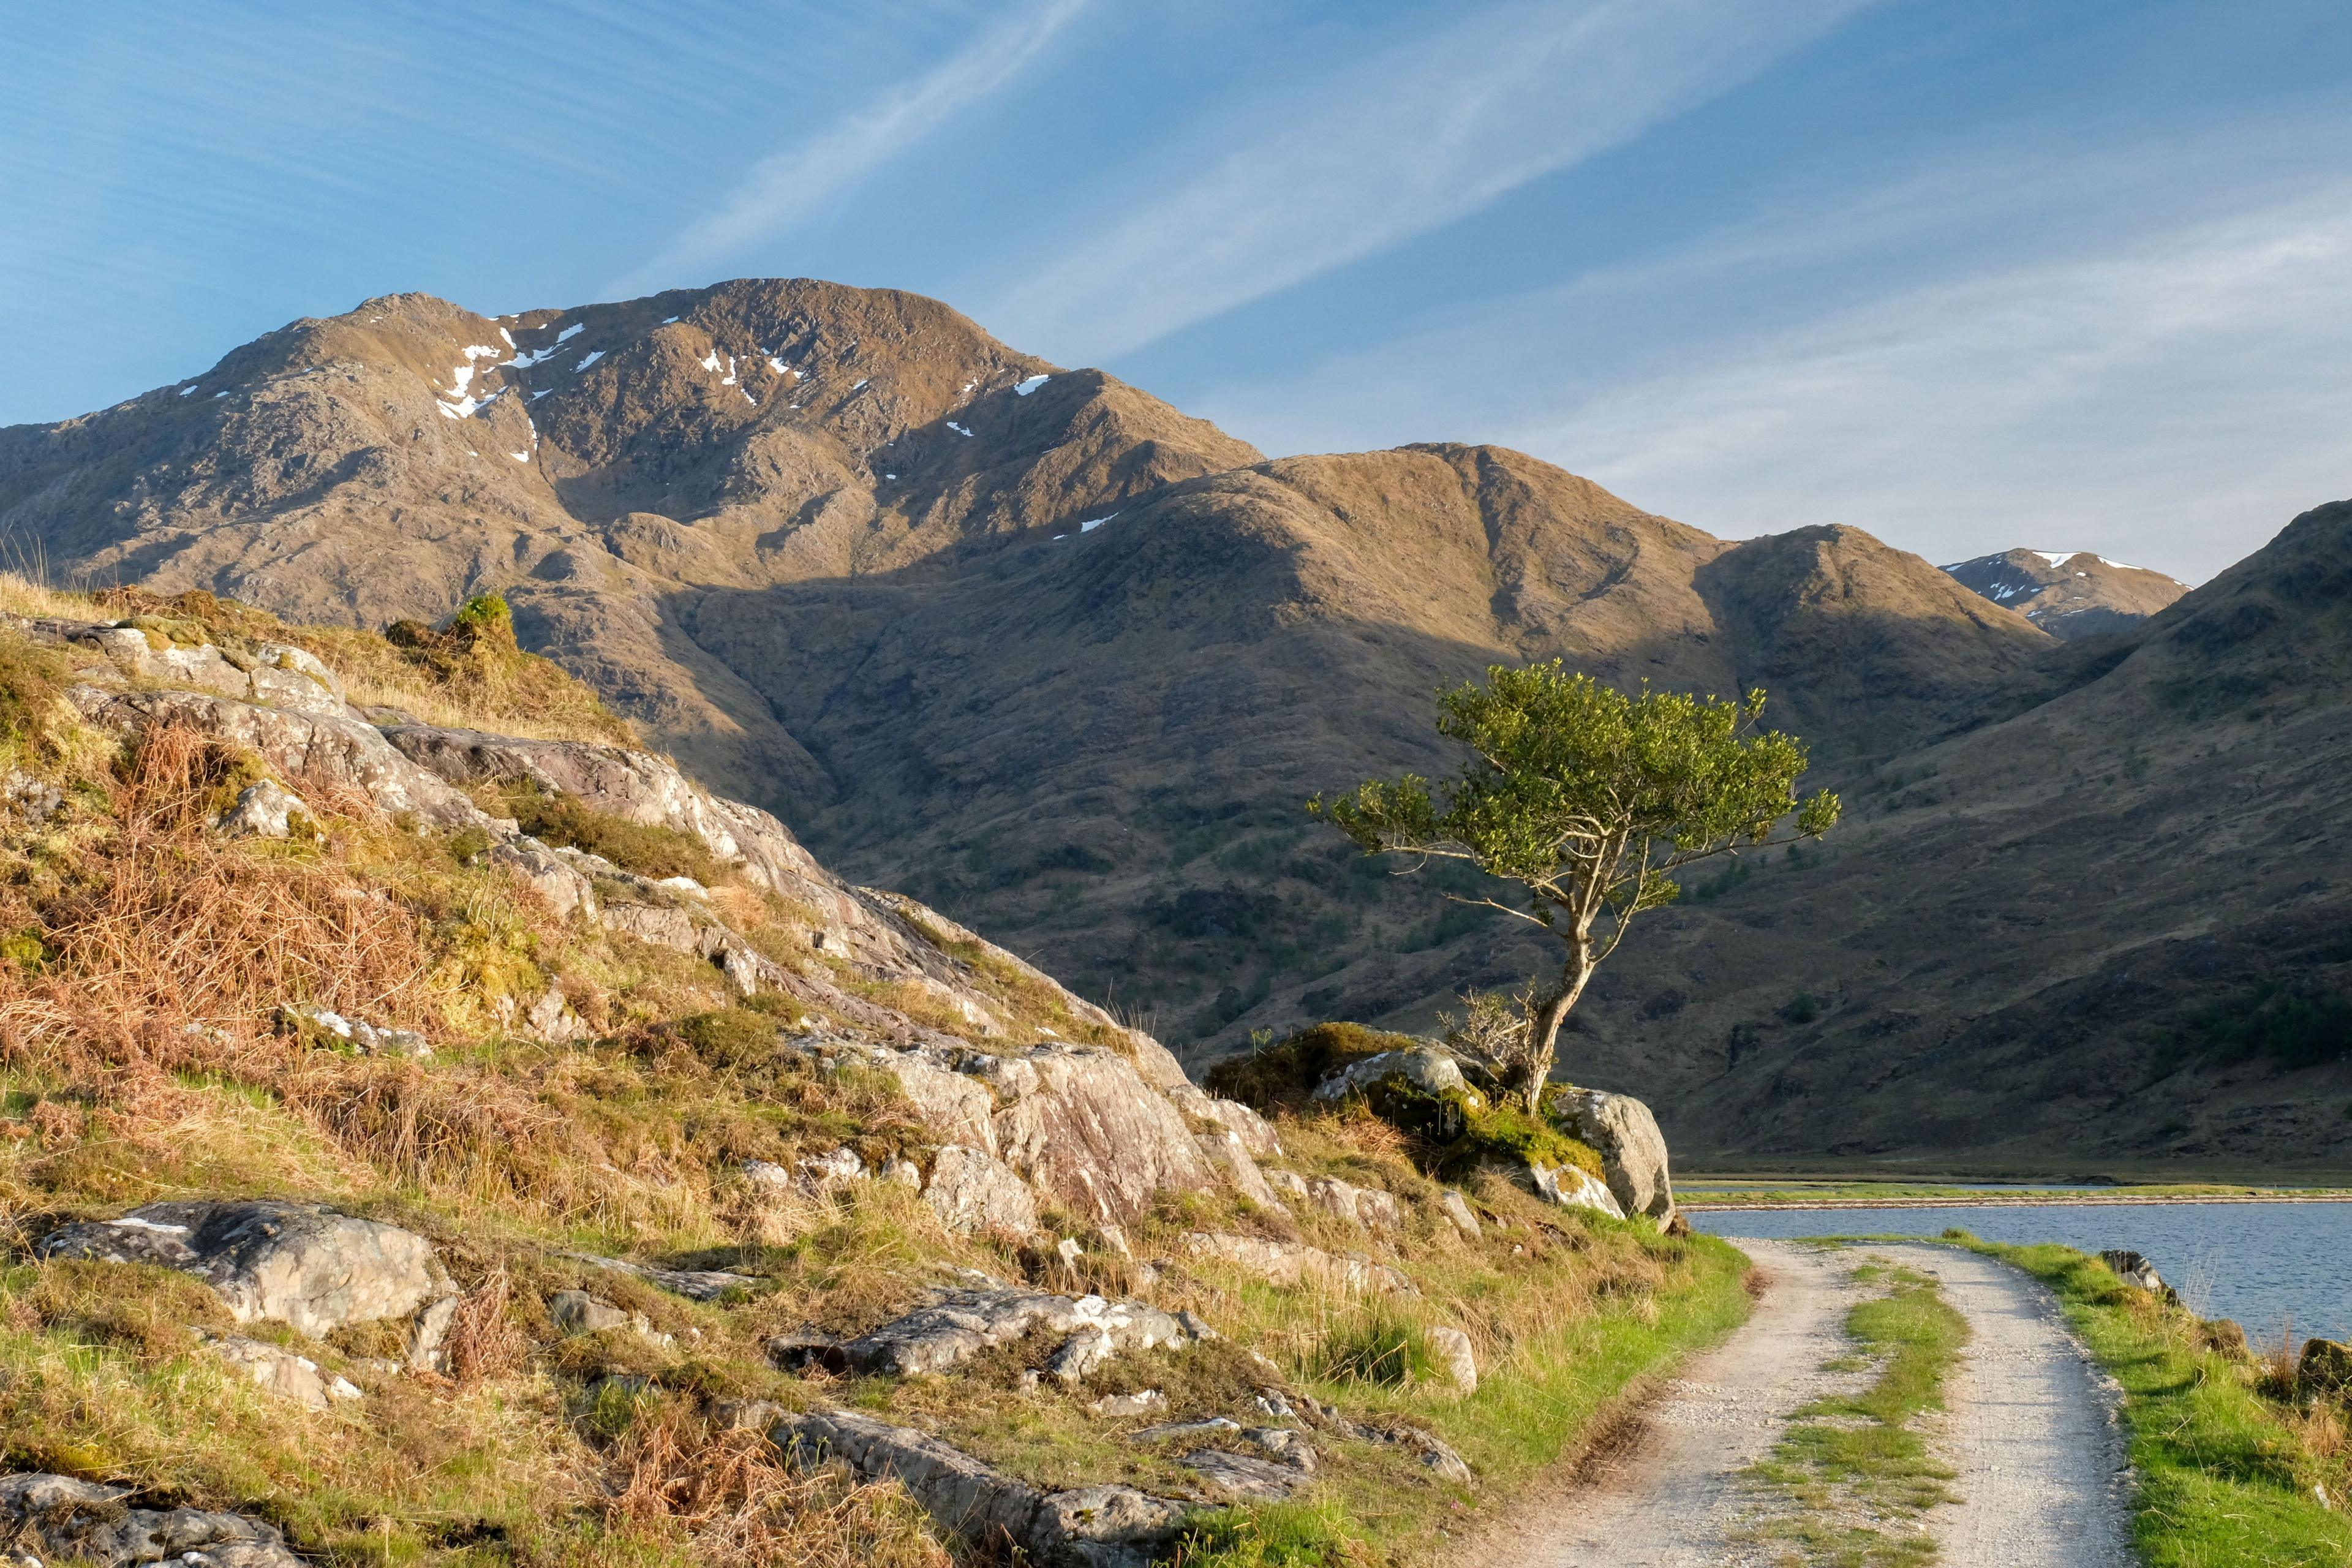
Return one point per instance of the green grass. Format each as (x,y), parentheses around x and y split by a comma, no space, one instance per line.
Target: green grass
(1856,1467)
(1542,1403)
(2225,1471)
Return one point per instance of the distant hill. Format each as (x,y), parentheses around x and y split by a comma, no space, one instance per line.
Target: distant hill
(2066,594)
(1064,661)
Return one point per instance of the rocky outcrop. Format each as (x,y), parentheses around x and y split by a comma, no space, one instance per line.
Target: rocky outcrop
(1425,1068)
(972,1191)
(1086,1527)
(2134,1269)
(958,1323)
(264,810)
(2324,1368)
(323,1026)
(58,1516)
(1633,1151)
(299,1264)
(1296,1263)
(294,743)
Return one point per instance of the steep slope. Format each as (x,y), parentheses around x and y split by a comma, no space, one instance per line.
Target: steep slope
(2112,930)
(2069,594)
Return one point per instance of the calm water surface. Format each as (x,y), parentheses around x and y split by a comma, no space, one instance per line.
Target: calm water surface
(2269,1266)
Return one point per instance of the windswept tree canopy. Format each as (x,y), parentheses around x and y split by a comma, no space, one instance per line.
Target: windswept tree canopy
(1590,799)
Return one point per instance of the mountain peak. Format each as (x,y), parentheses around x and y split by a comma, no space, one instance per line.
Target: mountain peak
(2068,593)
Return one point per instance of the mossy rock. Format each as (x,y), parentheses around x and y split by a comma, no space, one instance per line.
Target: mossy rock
(1282,1076)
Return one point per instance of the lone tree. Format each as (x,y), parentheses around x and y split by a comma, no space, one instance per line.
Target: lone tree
(1591,800)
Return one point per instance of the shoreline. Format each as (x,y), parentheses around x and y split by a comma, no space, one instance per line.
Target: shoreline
(1705,1205)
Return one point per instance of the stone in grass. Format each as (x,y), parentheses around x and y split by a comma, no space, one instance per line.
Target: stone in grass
(1238,1478)
(280,1371)
(264,810)
(300,1264)
(1453,1350)
(320,1025)
(1085,1527)
(1456,1208)
(1114,1405)
(84,1521)
(2134,1269)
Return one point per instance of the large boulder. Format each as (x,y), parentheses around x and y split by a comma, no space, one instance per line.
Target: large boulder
(1633,1151)
(2134,1269)
(1572,1187)
(1425,1068)
(300,1264)
(1086,1527)
(57,1517)
(2325,1367)
(1085,1126)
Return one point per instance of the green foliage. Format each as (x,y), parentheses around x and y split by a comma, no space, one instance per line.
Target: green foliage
(1801,1008)
(1591,800)
(1276,1535)
(1585,795)
(2300,1027)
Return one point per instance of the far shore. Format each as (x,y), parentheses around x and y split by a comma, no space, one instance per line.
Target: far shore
(2007,1200)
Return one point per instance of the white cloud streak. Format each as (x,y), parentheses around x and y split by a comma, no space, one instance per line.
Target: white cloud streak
(2172,403)
(1400,145)
(785,188)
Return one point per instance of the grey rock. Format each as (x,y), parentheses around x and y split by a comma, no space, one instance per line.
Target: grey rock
(1228,1154)
(694,1284)
(972,1190)
(32,800)
(1571,1186)
(1425,1068)
(264,810)
(1238,1478)
(959,1323)
(578,1312)
(89,1523)
(1256,1133)
(322,1025)
(1296,1263)
(1112,1406)
(1185,1431)
(1368,1206)
(1621,1129)
(551,1018)
(299,1264)
(281,1372)
(1456,1208)
(2134,1269)
(1453,1350)
(1290,1447)
(1086,1527)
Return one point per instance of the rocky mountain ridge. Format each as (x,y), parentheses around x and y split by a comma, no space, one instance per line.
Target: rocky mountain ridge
(2069,594)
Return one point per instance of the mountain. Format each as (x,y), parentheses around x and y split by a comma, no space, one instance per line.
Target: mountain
(2069,596)
(2113,930)
(1064,662)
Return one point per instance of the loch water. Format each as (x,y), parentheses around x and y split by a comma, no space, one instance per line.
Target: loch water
(2277,1268)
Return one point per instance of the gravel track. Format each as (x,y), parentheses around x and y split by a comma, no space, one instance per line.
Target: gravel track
(2028,1427)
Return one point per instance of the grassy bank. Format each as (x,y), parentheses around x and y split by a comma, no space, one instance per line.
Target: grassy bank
(1856,1469)
(1546,1402)
(2231,1462)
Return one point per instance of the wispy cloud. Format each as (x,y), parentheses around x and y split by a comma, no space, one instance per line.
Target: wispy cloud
(2171,402)
(786,187)
(1400,145)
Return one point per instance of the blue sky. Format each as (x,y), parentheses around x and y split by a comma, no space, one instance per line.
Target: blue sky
(1969,275)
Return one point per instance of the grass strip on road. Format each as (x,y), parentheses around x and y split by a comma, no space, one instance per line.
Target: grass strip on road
(1857,1468)
(2227,1456)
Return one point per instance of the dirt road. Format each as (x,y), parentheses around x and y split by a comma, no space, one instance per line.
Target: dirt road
(2028,1430)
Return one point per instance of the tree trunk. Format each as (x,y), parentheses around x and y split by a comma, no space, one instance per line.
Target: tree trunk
(1550,1015)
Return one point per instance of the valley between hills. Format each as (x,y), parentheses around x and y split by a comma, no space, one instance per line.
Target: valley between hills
(1063,662)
